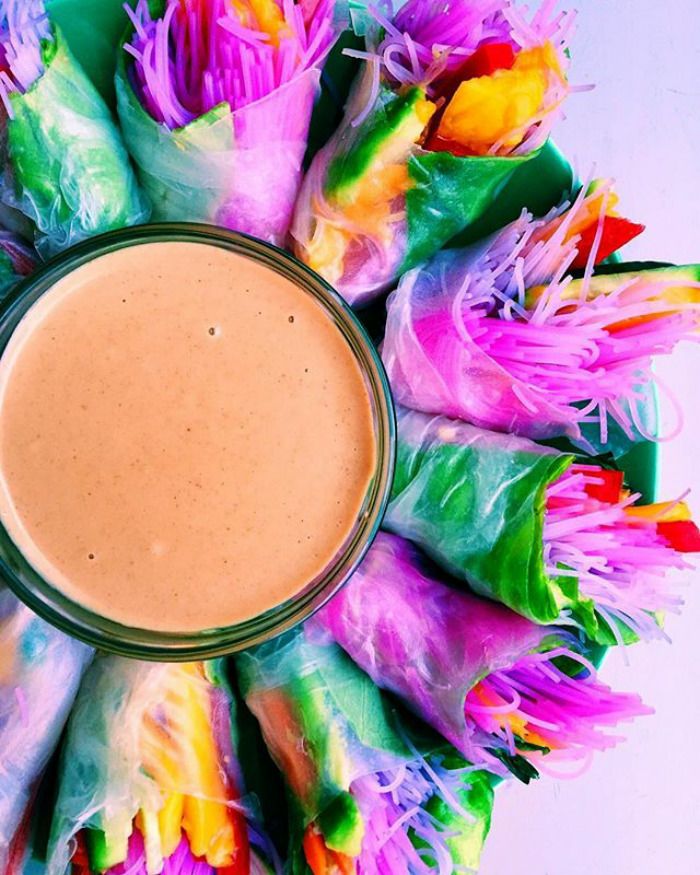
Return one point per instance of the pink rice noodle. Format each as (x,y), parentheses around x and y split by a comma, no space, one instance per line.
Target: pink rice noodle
(22,258)
(570,715)
(180,862)
(570,351)
(200,54)
(620,561)
(393,809)
(23,26)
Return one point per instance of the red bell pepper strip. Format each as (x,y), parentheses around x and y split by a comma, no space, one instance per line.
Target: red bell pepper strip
(485,61)
(607,487)
(241,846)
(434,143)
(320,859)
(616,233)
(682,535)
(80,862)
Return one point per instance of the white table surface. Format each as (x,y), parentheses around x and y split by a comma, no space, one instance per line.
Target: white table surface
(636,810)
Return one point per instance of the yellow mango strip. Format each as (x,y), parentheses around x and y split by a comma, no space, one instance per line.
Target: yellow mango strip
(264,15)
(182,756)
(588,213)
(207,821)
(661,512)
(601,285)
(495,109)
(147,824)
(170,822)
(160,755)
(325,251)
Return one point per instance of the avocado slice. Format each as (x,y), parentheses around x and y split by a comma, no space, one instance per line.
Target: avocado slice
(605,283)
(105,851)
(384,138)
(342,826)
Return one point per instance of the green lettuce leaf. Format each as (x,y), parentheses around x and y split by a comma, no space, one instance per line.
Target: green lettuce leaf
(67,168)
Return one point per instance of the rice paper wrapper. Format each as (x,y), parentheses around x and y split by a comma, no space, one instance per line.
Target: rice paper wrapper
(434,365)
(440,195)
(16,262)
(240,169)
(324,722)
(475,502)
(328,727)
(126,707)
(40,670)
(66,167)
(422,640)
(464,838)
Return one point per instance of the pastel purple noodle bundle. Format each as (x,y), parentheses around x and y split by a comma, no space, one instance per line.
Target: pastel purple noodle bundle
(215,100)
(203,52)
(23,26)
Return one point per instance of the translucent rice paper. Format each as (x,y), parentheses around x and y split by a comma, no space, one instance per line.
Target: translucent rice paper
(238,169)
(66,167)
(380,798)
(292,684)
(435,365)
(424,641)
(447,193)
(17,261)
(40,669)
(475,502)
(139,734)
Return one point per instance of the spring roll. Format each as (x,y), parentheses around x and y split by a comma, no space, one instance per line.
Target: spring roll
(149,779)
(553,539)
(451,98)
(215,101)
(365,796)
(40,670)
(491,682)
(503,335)
(66,167)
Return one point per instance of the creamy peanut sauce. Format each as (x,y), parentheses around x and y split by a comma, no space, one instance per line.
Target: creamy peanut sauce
(186,438)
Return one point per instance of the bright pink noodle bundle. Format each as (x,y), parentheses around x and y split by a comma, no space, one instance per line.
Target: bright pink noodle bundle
(465,338)
(429,37)
(537,702)
(201,54)
(23,26)
(620,561)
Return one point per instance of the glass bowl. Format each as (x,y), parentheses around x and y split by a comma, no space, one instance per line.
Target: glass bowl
(99,631)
